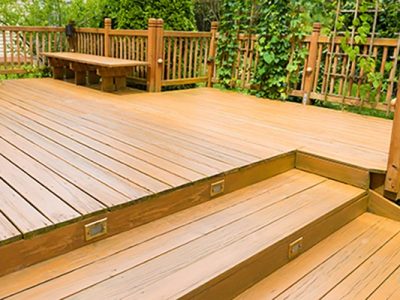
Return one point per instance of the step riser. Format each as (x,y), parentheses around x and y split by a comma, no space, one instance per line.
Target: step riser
(26,252)
(236,280)
(332,169)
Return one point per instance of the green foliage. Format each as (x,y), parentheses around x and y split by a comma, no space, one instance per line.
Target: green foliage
(30,72)
(86,13)
(134,14)
(362,26)
(207,11)
(280,24)
(388,22)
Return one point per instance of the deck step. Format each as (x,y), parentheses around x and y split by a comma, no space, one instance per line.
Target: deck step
(213,250)
(359,261)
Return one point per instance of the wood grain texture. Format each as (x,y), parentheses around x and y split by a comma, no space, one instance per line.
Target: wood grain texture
(76,259)
(383,207)
(91,152)
(95,60)
(350,264)
(334,170)
(218,224)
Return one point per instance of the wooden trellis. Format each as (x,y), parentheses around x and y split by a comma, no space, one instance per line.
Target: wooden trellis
(330,75)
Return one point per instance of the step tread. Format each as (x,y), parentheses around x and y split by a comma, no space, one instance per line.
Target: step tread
(352,263)
(140,262)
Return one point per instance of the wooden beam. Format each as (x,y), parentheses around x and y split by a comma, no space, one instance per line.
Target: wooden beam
(311,63)
(212,52)
(392,182)
(159,58)
(381,206)
(151,54)
(107,29)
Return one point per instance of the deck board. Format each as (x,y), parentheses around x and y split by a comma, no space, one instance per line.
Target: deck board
(147,257)
(353,263)
(91,151)
(17,208)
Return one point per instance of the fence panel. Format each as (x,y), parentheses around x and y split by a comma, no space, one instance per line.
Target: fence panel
(341,80)
(21,47)
(185,57)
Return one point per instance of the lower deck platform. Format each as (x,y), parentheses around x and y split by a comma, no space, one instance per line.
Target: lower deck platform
(197,251)
(359,261)
(70,154)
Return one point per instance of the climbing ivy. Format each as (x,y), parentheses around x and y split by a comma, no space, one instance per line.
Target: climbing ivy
(362,27)
(279,24)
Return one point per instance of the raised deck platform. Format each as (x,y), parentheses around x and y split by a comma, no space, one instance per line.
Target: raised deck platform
(70,155)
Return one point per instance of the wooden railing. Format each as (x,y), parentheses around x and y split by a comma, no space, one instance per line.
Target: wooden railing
(245,66)
(186,56)
(392,180)
(174,57)
(328,75)
(21,47)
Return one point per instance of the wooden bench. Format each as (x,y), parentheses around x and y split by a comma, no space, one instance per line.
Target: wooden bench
(112,71)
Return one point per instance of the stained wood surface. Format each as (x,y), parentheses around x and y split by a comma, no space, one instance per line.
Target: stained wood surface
(95,60)
(357,262)
(140,262)
(68,152)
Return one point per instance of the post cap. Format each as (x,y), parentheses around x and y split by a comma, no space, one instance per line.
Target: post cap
(317,27)
(152,22)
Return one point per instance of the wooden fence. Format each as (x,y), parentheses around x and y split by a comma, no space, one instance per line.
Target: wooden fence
(326,73)
(21,47)
(329,75)
(180,58)
(174,57)
(245,66)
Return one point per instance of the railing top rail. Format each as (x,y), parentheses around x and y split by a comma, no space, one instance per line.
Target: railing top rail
(32,28)
(187,34)
(89,30)
(128,32)
(323,39)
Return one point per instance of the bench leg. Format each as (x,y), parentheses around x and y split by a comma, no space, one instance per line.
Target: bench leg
(58,73)
(107,84)
(80,77)
(120,83)
(93,77)
(69,73)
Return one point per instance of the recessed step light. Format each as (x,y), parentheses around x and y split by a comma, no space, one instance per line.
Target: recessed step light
(95,229)
(217,188)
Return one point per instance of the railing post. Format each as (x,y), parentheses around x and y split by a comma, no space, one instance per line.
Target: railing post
(151,54)
(311,63)
(107,28)
(159,58)
(392,181)
(212,53)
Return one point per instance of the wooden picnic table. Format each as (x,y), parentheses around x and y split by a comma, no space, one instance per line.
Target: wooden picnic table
(112,71)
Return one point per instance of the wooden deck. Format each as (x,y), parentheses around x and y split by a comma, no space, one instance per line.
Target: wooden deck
(70,152)
(189,254)
(360,261)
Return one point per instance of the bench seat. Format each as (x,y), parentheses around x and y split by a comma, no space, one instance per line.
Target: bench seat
(112,71)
